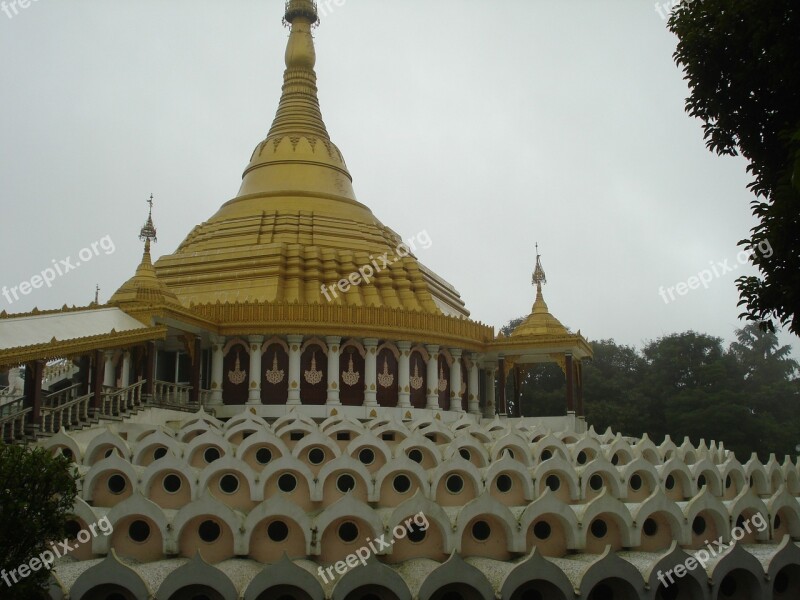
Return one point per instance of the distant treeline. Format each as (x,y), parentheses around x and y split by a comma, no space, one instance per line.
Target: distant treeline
(685,384)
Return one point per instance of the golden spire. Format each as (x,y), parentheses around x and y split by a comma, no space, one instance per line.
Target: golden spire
(145,287)
(298,154)
(540,321)
(148,231)
(538,273)
(298,111)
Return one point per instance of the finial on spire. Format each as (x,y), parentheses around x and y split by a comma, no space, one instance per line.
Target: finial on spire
(301,8)
(148,231)
(97,294)
(538,273)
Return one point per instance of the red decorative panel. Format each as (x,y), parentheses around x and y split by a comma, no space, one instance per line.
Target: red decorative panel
(419,380)
(351,395)
(443,374)
(275,375)
(387,378)
(235,375)
(314,376)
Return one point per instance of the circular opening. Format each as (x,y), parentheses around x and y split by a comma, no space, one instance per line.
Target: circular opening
(546,455)
(650,527)
(211,454)
(481,531)
(263,456)
(229,483)
(209,531)
(781,582)
(415,455)
(581,458)
(401,484)
(615,459)
(66,453)
(116,484)
(159,453)
(542,530)
(416,534)
(316,456)
(109,452)
(366,456)
(72,529)
(553,482)
(670,482)
(287,483)
(728,481)
(777,521)
(504,483)
(636,483)
(509,451)
(599,528)
(348,532)
(455,483)
(465,454)
(699,525)
(740,522)
(345,483)
(701,481)
(728,586)
(139,531)
(278,531)
(172,483)
(596,482)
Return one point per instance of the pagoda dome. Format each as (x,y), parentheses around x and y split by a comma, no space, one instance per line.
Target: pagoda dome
(145,288)
(296,234)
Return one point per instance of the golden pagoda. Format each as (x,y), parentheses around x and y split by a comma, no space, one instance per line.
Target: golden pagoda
(292,407)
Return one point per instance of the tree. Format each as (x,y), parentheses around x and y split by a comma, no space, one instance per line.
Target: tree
(741,59)
(37,491)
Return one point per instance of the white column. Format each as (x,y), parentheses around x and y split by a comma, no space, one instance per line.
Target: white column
(108,369)
(294,368)
(433,378)
(217,371)
(254,393)
(489,407)
(371,372)
(126,369)
(455,381)
(473,388)
(334,372)
(404,375)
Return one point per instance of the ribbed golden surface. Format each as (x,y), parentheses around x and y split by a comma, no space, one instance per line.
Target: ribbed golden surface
(145,287)
(540,322)
(296,226)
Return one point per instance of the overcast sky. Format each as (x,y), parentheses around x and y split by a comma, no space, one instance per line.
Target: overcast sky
(490,125)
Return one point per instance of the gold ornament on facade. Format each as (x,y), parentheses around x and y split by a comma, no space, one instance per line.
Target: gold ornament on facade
(415,380)
(313,376)
(442,380)
(275,375)
(385,379)
(350,377)
(237,376)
